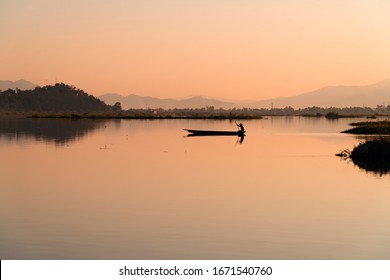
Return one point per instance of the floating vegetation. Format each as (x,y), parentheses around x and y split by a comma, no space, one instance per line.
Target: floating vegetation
(372,155)
(368,127)
(335,115)
(370,123)
(332,115)
(372,149)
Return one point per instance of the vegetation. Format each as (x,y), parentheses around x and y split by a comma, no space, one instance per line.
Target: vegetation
(334,112)
(372,149)
(51,99)
(199,113)
(373,155)
(332,115)
(376,128)
(209,113)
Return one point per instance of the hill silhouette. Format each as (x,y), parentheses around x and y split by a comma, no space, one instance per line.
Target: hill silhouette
(133,101)
(331,96)
(334,96)
(56,98)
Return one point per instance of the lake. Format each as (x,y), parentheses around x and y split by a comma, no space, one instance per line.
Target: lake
(141,189)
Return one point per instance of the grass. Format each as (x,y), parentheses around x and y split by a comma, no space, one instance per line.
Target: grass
(375,128)
(373,149)
(372,155)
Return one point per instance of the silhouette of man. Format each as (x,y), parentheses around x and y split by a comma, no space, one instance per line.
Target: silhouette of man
(241,127)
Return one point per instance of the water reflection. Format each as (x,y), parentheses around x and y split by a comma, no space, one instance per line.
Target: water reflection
(240,138)
(59,131)
(138,189)
(377,167)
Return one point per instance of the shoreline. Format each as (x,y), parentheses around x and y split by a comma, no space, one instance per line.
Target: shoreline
(151,115)
(146,114)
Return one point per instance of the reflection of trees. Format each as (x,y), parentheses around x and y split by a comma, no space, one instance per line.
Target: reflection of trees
(379,167)
(59,131)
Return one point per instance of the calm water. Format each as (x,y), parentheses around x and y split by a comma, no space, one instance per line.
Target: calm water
(134,189)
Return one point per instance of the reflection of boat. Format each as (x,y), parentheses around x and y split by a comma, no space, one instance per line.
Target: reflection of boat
(194,132)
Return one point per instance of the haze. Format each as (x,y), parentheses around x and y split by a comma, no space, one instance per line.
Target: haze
(249,49)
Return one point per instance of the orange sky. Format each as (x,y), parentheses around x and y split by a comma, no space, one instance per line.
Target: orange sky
(247,49)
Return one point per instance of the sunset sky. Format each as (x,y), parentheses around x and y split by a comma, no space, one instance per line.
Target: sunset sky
(233,49)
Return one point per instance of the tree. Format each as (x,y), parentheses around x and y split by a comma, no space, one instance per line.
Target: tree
(117,107)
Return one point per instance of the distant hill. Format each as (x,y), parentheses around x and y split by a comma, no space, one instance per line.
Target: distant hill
(331,96)
(141,102)
(51,99)
(334,96)
(20,84)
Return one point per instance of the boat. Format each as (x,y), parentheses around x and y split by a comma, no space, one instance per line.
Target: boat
(193,132)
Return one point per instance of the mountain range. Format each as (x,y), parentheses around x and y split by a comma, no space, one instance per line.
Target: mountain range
(334,96)
(20,84)
(141,102)
(331,96)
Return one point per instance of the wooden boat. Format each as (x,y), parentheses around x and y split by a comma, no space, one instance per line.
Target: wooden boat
(194,132)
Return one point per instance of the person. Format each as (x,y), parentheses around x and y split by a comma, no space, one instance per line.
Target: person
(241,128)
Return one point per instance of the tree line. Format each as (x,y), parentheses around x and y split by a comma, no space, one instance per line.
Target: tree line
(54,98)
(242,113)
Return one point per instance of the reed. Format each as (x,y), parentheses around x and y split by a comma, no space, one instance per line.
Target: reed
(375,128)
(373,155)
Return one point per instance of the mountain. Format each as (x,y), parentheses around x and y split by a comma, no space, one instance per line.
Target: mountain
(20,84)
(136,102)
(334,96)
(331,96)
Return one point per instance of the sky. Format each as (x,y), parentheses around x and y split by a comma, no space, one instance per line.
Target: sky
(229,49)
